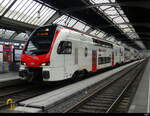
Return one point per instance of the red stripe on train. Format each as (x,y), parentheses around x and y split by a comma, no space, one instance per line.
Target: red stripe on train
(55,37)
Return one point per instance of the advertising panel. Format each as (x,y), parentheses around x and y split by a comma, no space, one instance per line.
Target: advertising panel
(7,53)
(17,55)
(1,53)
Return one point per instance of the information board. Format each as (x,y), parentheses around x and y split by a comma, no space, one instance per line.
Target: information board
(1,53)
(17,55)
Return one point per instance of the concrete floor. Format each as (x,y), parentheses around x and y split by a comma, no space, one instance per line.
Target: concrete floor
(141,101)
(8,76)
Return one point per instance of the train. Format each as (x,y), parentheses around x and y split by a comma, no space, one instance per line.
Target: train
(55,52)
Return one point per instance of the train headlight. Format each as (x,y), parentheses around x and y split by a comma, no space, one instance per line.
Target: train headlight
(45,64)
(23,63)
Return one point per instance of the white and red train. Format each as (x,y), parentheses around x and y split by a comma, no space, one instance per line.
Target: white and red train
(56,52)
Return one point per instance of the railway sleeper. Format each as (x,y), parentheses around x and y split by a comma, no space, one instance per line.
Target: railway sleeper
(98,105)
(107,97)
(121,111)
(101,102)
(95,109)
(87,111)
(123,106)
(104,99)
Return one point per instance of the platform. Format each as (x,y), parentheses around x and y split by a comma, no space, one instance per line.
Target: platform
(141,101)
(9,76)
(51,98)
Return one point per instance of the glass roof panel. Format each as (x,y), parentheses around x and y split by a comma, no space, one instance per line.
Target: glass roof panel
(37,15)
(29,8)
(116,15)
(4,4)
(21,36)
(110,38)
(104,7)
(80,26)
(6,34)
(126,19)
(123,26)
(41,18)
(99,34)
(111,11)
(30,11)
(119,20)
(71,22)
(100,1)
(113,0)
(93,32)
(14,9)
(65,20)
(30,14)
(126,29)
(61,20)
(27,4)
(45,16)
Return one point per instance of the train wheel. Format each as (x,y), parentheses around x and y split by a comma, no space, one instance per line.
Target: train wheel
(75,76)
(85,73)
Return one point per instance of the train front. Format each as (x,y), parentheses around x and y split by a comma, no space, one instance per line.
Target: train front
(35,58)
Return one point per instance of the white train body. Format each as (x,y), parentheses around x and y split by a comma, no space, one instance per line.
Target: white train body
(70,52)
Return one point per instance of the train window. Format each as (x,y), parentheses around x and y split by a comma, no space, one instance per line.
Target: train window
(108,59)
(104,60)
(65,47)
(99,60)
(86,52)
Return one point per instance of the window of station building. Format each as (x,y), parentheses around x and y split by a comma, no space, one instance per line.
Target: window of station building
(65,47)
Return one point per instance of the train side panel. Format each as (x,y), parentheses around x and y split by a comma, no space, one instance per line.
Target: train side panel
(72,51)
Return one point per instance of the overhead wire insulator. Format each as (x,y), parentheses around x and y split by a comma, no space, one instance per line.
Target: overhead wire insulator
(39,11)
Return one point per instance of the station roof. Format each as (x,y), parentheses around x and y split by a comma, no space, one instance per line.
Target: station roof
(138,12)
(107,19)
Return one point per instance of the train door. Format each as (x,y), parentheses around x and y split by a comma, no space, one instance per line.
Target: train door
(65,49)
(94,60)
(76,56)
(113,62)
(68,57)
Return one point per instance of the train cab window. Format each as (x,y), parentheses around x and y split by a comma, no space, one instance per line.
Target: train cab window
(40,41)
(65,47)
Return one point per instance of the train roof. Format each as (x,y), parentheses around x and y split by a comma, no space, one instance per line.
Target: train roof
(95,37)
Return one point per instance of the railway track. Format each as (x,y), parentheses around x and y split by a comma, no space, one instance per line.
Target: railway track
(11,83)
(109,97)
(19,93)
(23,91)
